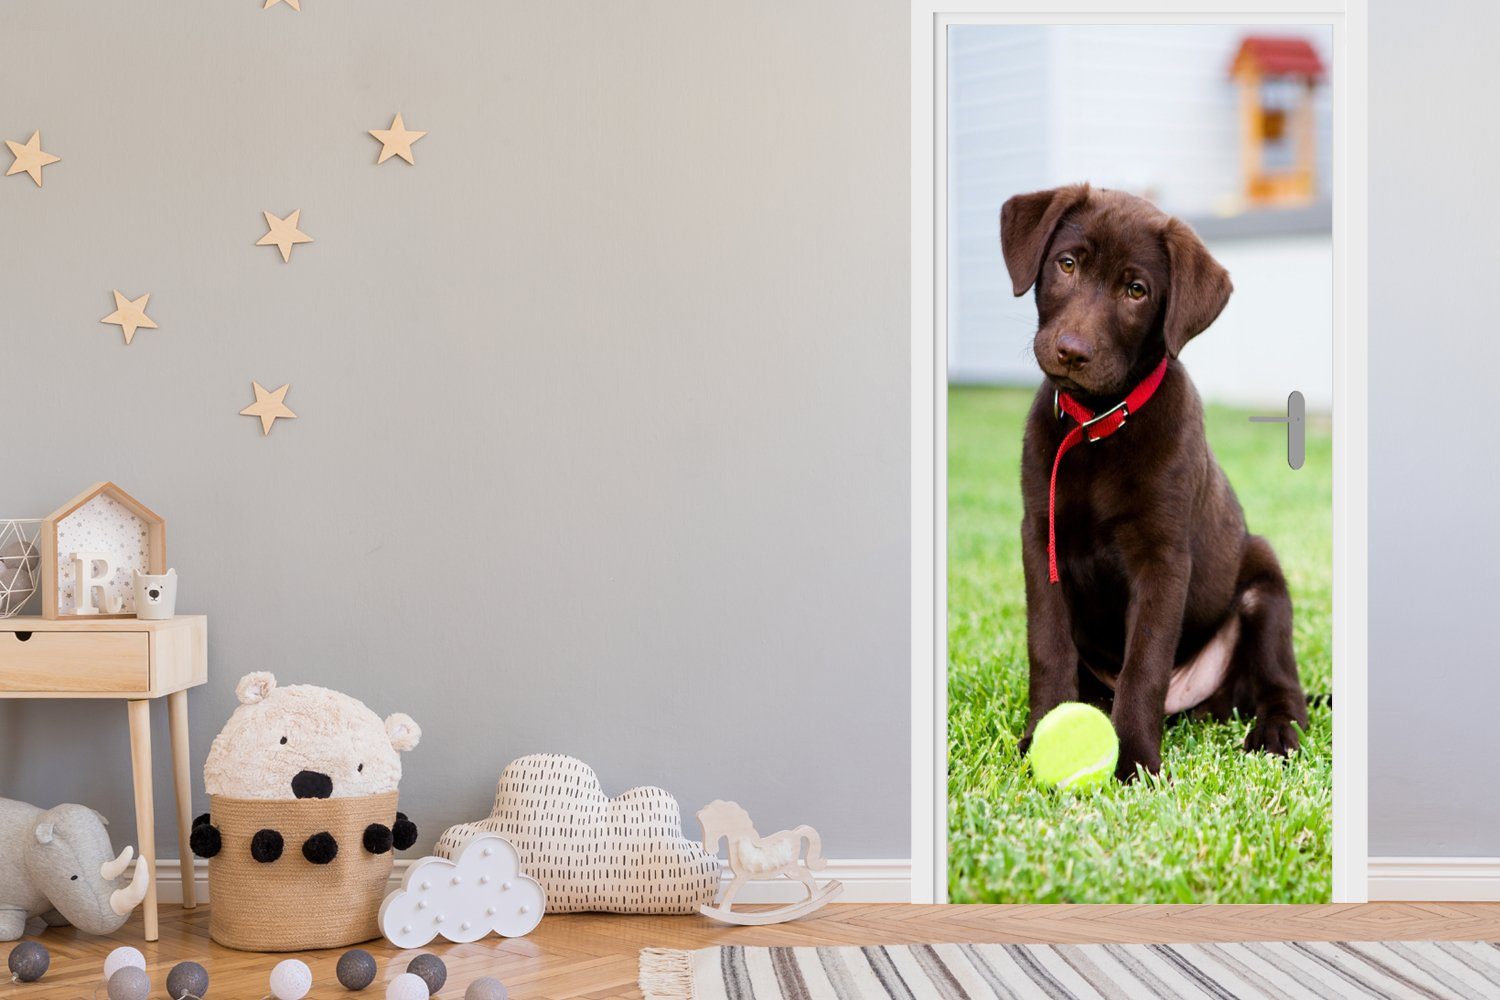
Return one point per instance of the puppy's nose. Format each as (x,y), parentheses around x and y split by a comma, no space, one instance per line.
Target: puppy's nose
(1072,352)
(311,785)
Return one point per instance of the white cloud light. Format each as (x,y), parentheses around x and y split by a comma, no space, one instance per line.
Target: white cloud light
(482,892)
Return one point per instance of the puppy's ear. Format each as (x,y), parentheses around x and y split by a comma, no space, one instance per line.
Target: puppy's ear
(1027,222)
(1199,287)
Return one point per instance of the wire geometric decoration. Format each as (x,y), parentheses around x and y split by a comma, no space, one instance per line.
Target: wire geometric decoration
(20,563)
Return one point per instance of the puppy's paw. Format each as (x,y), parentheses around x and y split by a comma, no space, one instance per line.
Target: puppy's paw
(1277,735)
(1131,765)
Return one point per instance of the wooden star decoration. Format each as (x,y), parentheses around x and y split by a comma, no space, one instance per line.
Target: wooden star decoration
(130,315)
(283,234)
(269,407)
(396,141)
(294,4)
(30,157)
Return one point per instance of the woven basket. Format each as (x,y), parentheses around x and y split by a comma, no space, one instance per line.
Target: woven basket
(292,904)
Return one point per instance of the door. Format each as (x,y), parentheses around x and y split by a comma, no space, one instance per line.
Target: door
(1177,556)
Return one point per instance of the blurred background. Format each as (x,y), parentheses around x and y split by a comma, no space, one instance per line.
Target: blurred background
(1227,126)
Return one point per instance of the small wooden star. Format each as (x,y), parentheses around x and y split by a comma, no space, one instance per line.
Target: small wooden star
(130,315)
(294,4)
(396,141)
(269,407)
(283,234)
(30,157)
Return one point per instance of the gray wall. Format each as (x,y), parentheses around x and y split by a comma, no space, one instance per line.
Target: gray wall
(603,406)
(1434,540)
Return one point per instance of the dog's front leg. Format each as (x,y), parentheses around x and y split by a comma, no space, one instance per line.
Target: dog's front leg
(1049,637)
(1152,628)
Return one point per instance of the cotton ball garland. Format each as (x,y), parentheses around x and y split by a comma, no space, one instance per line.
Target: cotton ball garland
(407,987)
(431,970)
(121,958)
(290,980)
(356,969)
(187,980)
(129,983)
(486,988)
(28,962)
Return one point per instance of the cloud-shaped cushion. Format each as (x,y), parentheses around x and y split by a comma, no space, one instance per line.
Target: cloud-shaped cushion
(464,900)
(590,852)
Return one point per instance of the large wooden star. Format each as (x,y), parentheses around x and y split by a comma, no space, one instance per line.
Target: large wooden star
(269,407)
(130,315)
(294,4)
(30,157)
(283,234)
(396,141)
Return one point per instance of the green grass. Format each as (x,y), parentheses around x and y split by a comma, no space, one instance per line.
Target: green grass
(1219,825)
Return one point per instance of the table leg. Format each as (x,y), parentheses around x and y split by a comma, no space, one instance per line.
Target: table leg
(145,816)
(182,780)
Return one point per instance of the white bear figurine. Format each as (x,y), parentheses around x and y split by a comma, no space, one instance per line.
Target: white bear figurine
(155,595)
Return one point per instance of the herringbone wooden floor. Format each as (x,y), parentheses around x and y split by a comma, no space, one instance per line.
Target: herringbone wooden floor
(594,956)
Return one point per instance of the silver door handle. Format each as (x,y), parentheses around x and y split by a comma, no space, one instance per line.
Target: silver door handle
(1296,438)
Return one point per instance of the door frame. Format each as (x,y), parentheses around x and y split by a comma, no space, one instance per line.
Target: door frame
(929,397)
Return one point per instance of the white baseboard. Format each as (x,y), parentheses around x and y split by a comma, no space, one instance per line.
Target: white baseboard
(1449,880)
(880,880)
(888,880)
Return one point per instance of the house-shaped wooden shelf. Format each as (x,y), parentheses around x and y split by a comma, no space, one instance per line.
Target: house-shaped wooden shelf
(1277,76)
(107,521)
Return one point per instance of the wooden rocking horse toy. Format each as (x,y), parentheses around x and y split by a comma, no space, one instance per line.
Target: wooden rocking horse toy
(756,858)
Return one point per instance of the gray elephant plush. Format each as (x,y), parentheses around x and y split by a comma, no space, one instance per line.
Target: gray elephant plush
(57,864)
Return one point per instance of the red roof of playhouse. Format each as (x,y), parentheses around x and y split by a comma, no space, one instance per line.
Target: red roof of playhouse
(1273,55)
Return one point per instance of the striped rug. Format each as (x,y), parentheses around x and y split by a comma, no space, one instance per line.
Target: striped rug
(1336,970)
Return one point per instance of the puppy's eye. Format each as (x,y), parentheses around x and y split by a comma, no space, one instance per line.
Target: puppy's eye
(1067,264)
(360,769)
(283,741)
(1135,290)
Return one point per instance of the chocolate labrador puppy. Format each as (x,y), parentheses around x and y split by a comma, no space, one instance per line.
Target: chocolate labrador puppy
(1163,602)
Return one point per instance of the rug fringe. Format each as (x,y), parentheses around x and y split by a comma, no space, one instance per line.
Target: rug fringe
(666,974)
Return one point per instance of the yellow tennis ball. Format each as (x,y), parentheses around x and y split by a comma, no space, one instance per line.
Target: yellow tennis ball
(1074,746)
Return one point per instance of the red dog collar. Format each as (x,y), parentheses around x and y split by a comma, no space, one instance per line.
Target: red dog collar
(1091,427)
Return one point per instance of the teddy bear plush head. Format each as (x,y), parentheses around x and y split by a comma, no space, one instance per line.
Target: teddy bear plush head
(305,742)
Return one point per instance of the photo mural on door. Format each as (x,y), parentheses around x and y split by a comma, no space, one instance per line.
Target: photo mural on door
(1140,322)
